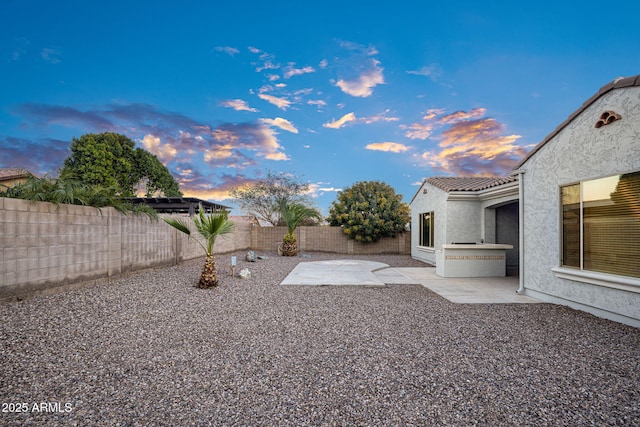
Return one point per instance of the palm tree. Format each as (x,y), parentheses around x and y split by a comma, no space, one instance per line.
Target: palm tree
(209,227)
(293,214)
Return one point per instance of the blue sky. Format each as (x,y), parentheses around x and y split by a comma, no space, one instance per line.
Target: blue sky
(334,92)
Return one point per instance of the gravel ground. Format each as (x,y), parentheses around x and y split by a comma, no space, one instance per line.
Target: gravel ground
(150,349)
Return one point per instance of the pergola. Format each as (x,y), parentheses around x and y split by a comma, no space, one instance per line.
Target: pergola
(184,205)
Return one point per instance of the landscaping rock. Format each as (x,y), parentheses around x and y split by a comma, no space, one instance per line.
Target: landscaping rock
(251,256)
(245,273)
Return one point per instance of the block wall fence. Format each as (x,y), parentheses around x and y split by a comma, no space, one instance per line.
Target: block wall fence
(46,248)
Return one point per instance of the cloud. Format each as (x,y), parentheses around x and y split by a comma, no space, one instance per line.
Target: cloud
(462,116)
(209,186)
(290,71)
(319,189)
(227,49)
(425,130)
(238,105)
(342,121)
(317,102)
(41,156)
(475,147)
(164,152)
(418,130)
(174,138)
(432,71)
(283,124)
(362,86)
(50,55)
(392,147)
(382,117)
(351,118)
(365,50)
(281,103)
(433,113)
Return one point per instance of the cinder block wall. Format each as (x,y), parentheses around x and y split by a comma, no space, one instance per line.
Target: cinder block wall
(45,248)
(329,239)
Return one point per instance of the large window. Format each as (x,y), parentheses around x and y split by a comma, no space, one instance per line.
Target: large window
(601,225)
(427,229)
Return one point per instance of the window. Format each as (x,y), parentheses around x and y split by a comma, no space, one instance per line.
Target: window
(601,225)
(427,229)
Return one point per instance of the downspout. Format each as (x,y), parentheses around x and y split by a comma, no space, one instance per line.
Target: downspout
(520,173)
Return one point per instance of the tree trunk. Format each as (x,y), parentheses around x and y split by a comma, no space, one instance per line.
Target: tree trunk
(290,248)
(209,277)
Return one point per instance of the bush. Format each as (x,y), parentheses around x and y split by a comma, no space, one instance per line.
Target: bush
(369,210)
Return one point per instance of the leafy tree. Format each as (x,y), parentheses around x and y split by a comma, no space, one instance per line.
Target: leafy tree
(264,197)
(369,210)
(293,215)
(209,226)
(112,161)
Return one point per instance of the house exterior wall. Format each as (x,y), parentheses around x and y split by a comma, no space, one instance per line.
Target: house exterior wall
(434,200)
(464,222)
(576,153)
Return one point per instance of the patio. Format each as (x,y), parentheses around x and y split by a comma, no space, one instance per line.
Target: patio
(151,349)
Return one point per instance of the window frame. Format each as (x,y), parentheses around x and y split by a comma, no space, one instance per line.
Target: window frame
(579,273)
(431,229)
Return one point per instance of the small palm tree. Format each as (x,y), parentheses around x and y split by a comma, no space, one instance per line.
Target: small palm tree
(293,214)
(209,227)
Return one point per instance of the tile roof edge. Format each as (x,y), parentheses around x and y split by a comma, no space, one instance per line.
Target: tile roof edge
(618,83)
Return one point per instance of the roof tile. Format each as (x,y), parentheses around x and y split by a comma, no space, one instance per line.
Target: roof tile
(449,183)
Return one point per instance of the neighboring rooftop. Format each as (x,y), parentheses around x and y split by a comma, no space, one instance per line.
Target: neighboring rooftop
(13,173)
(451,183)
(188,205)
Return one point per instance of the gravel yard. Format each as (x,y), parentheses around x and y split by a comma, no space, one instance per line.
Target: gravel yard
(149,349)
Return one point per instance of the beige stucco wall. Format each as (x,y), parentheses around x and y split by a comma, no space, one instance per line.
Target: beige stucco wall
(578,152)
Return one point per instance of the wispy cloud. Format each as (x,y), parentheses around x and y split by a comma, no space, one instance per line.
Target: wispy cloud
(392,147)
(291,71)
(351,118)
(228,50)
(432,71)
(459,116)
(238,105)
(342,121)
(21,47)
(281,123)
(362,86)
(41,156)
(50,55)
(281,103)
(418,130)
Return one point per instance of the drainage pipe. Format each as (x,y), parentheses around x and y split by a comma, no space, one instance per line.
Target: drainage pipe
(520,173)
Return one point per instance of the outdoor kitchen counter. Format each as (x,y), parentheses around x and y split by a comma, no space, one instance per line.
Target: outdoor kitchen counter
(469,260)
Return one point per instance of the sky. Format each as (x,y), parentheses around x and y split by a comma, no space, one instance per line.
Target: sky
(331,92)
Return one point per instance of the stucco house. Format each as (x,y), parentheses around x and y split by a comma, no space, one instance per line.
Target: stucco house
(457,210)
(580,202)
(577,198)
(12,176)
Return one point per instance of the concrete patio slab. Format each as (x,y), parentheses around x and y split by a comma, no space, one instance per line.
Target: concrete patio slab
(483,290)
(468,290)
(336,273)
